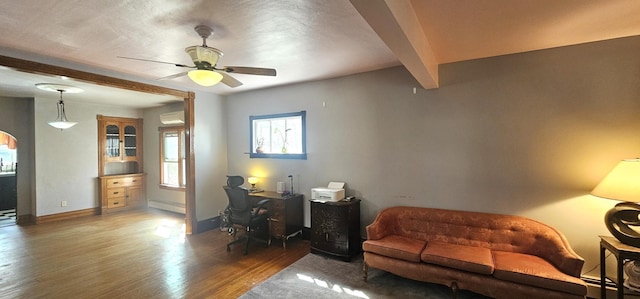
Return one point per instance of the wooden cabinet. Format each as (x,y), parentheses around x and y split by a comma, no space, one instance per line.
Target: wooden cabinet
(122,192)
(120,174)
(335,228)
(286,217)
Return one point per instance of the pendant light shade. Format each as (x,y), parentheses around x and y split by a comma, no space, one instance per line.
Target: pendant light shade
(205,77)
(61,122)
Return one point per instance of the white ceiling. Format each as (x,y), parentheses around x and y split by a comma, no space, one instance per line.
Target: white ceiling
(303,40)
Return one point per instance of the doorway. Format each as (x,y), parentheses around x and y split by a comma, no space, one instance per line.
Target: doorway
(8,179)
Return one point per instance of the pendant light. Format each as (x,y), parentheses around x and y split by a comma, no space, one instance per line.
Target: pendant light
(61,121)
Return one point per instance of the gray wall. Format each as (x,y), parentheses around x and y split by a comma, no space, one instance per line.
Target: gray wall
(210,153)
(527,134)
(172,200)
(16,118)
(210,138)
(66,162)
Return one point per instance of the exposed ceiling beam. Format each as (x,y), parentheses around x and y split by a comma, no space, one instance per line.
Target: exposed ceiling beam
(398,26)
(47,69)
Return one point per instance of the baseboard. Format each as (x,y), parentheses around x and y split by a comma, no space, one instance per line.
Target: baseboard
(208,224)
(67,215)
(26,219)
(167,207)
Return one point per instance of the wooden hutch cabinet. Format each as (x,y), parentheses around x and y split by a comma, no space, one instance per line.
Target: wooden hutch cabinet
(120,141)
(335,228)
(120,173)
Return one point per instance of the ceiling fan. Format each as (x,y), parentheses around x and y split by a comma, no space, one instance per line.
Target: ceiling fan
(205,59)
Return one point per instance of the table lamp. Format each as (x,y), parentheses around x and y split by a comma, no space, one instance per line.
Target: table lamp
(252,181)
(622,183)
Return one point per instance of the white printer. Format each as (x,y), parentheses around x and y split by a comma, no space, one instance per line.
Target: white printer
(333,192)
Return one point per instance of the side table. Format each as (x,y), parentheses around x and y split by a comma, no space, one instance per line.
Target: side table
(622,252)
(335,228)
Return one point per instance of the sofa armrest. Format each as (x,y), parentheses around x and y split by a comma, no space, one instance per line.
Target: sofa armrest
(551,245)
(384,225)
(568,261)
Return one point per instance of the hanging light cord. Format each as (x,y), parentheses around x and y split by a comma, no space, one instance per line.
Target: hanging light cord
(61,115)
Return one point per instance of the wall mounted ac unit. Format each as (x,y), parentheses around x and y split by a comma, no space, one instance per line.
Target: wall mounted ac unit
(172,118)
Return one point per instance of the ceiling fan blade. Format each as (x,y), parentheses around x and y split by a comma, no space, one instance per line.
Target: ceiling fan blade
(250,70)
(156,61)
(174,76)
(229,80)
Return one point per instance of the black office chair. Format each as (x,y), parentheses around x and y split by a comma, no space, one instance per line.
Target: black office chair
(242,212)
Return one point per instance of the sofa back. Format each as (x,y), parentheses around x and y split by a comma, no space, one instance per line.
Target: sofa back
(493,231)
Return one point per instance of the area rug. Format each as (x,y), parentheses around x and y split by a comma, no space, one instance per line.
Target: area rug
(316,276)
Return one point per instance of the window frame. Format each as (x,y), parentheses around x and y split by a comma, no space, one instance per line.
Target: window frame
(181,157)
(274,117)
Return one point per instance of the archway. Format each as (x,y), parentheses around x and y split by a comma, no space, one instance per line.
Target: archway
(8,179)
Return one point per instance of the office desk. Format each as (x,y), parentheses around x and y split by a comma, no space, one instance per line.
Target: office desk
(286,214)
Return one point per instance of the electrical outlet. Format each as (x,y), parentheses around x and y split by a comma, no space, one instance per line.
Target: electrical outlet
(63,203)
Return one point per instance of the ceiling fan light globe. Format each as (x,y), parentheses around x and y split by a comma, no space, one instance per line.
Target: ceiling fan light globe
(205,77)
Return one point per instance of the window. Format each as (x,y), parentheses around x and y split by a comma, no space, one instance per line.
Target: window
(172,157)
(278,136)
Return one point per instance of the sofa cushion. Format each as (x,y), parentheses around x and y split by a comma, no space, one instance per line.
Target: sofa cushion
(535,271)
(396,247)
(461,257)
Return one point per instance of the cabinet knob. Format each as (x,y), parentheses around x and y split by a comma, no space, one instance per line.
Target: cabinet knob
(115,193)
(115,183)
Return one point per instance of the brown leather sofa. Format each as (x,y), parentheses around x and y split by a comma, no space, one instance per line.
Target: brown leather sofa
(499,256)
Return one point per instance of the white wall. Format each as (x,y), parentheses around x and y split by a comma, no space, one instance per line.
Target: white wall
(66,162)
(528,134)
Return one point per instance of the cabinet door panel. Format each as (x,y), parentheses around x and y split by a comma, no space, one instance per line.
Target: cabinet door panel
(134,196)
(130,141)
(112,144)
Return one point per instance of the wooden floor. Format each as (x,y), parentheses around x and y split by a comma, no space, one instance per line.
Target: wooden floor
(136,254)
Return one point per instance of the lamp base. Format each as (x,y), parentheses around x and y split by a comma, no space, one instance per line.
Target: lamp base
(632,269)
(620,220)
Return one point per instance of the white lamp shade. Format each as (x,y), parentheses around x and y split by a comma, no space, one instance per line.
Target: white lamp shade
(62,124)
(205,77)
(252,180)
(622,183)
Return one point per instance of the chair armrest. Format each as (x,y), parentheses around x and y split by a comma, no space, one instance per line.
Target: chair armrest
(260,206)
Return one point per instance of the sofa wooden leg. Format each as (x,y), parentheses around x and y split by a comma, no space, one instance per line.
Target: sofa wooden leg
(365,269)
(454,290)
